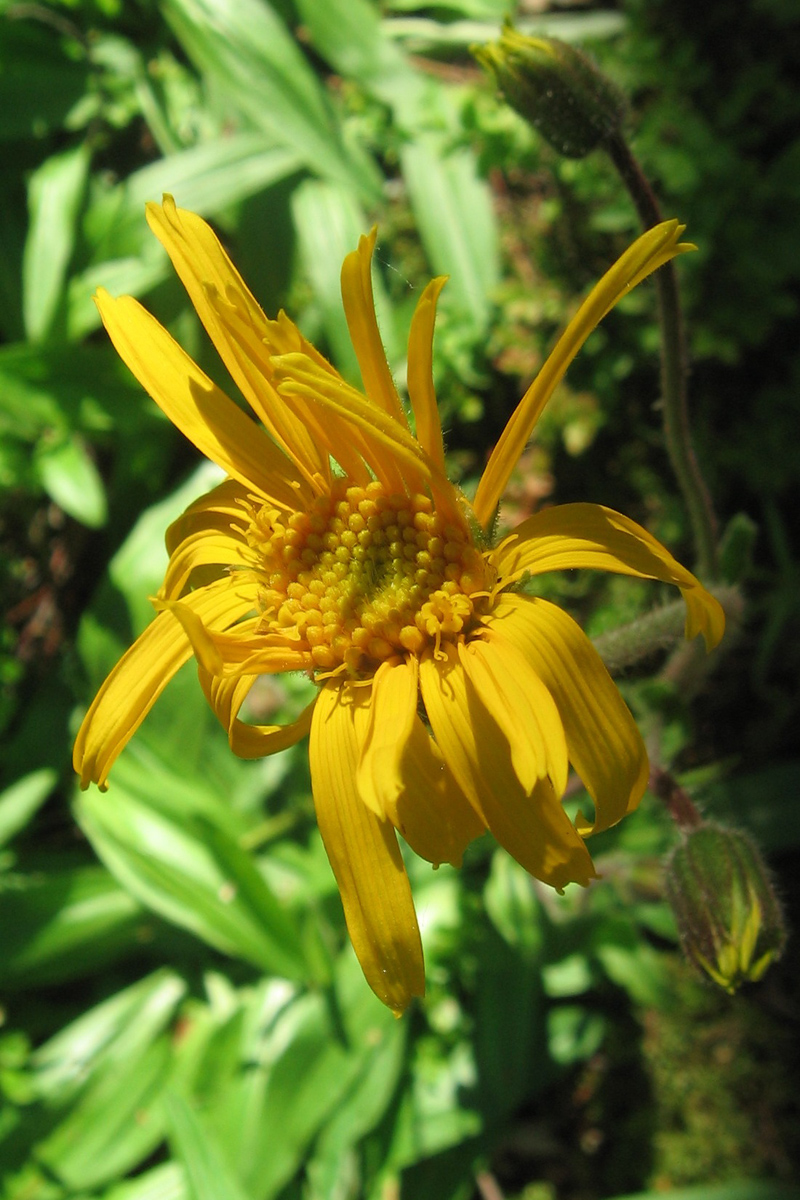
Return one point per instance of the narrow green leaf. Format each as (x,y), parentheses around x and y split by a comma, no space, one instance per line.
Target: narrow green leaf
(55,193)
(457,224)
(194,875)
(329,223)
(207,1173)
(165,1182)
(63,924)
(106,1036)
(353,39)
(248,56)
(70,478)
(19,802)
(116,1123)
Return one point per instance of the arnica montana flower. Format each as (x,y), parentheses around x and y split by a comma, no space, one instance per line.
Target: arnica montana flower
(449,701)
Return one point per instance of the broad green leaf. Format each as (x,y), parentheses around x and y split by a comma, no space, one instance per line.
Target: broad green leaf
(126,258)
(457,224)
(195,875)
(207,1174)
(212,176)
(19,802)
(512,905)
(165,1182)
(247,55)
(63,924)
(55,193)
(72,481)
(105,1037)
(304,1086)
(352,37)
(116,1123)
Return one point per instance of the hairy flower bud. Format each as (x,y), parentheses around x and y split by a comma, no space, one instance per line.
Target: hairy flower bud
(556,88)
(729,918)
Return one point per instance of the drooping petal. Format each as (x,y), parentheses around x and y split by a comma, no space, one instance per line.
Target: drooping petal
(359,309)
(603,741)
(245,651)
(140,676)
(226,696)
(363,852)
(591,536)
(430,810)
(522,708)
(201,411)
(227,500)
(532,826)
(419,378)
(206,548)
(655,247)
(391,712)
(217,290)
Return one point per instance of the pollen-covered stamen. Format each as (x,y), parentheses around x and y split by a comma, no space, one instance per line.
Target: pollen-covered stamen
(364,575)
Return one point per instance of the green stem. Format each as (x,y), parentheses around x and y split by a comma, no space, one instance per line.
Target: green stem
(673,370)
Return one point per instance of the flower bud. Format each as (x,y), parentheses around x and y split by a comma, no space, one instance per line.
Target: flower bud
(728,915)
(556,88)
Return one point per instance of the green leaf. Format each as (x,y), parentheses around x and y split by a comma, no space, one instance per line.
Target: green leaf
(105,1037)
(55,193)
(207,1174)
(19,802)
(305,1085)
(63,924)
(195,875)
(457,224)
(352,37)
(115,1124)
(72,481)
(329,223)
(248,56)
(166,1182)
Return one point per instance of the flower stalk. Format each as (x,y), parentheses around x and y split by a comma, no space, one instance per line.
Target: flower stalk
(674,369)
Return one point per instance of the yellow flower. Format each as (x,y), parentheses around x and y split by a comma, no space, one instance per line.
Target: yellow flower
(448,701)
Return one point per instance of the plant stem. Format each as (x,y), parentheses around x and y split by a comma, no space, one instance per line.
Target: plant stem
(673,370)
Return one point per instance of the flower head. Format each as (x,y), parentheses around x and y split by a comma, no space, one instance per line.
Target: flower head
(448,702)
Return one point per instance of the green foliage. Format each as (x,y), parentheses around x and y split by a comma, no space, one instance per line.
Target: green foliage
(183,1018)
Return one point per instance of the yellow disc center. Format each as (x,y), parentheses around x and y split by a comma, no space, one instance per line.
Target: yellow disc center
(364,576)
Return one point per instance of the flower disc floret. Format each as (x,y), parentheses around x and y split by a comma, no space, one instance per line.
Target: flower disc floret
(364,576)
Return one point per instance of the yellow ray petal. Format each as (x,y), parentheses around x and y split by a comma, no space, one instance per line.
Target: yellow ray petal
(227,500)
(140,676)
(594,537)
(202,412)
(531,826)
(396,458)
(226,697)
(391,712)
(603,741)
(430,810)
(245,651)
(523,709)
(363,853)
(213,284)
(207,547)
(421,391)
(359,309)
(650,251)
